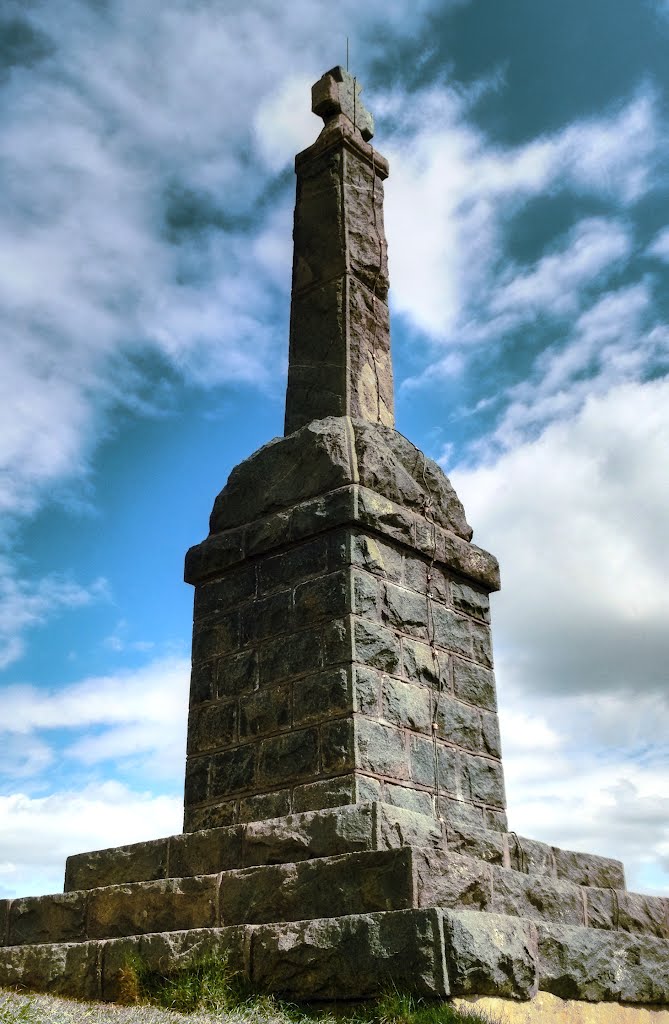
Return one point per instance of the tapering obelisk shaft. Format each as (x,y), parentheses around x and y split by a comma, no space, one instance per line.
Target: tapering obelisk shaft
(339,361)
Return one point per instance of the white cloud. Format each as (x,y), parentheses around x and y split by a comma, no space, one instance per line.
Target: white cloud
(660,246)
(577,518)
(39,833)
(576,782)
(553,286)
(452,190)
(609,344)
(137,715)
(25,604)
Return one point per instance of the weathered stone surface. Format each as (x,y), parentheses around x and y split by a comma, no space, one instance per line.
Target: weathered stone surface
(536,897)
(376,556)
(206,852)
(586,963)
(169,951)
(211,726)
(320,696)
(588,868)
(477,842)
(451,880)
(628,911)
(57,918)
(490,954)
(380,749)
(375,646)
(69,969)
(362,955)
(169,905)
(484,780)
(330,887)
(265,805)
(391,465)
(138,862)
(324,793)
(265,711)
(415,800)
(407,705)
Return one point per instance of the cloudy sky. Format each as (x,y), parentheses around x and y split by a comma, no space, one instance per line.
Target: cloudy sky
(146,197)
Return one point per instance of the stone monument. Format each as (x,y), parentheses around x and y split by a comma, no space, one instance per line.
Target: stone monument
(345,825)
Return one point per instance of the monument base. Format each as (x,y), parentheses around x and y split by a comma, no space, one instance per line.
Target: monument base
(343,904)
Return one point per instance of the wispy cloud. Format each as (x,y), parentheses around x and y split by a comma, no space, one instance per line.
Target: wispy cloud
(24,605)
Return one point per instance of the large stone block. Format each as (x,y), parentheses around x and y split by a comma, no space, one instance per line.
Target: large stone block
(138,862)
(169,905)
(331,887)
(594,965)
(57,918)
(490,954)
(536,897)
(68,969)
(361,955)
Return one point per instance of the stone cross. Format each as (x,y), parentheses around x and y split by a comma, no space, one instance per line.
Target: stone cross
(339,357)
(338,92)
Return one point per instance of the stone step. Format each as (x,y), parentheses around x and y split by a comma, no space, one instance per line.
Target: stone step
(366,882)
(433,953)
(326,833)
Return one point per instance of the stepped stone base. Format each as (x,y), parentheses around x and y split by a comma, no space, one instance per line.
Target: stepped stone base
(342,903)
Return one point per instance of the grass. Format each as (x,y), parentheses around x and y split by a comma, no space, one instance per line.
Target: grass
(208,992)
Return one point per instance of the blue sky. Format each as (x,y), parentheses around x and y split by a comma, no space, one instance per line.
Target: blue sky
(146,200)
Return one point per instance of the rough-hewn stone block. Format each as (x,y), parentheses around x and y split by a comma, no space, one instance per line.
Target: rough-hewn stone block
(138,862)
(57,918)
(458,722)
(484,779)
(324,793)
(588,868)
(376,556)
(490,954)
(211,726)
(212,641)
(337,745)
(164,906)
(471,600)
(233,770)
(407,705)
(380,749)
(318,697)
(424,664)
(265,805)
(282,659)
(474,684)
(405,610)
(451,880)
(536,897)
(215,598)
(365,954)
(266,711)
(237,674)
(68,969)
(330,887)
(321,598)
(206,852)
(376,646)
(594,965)
(267,616)
(415,800)
(290,756)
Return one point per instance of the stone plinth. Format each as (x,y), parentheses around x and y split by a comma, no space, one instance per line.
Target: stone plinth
(341,644)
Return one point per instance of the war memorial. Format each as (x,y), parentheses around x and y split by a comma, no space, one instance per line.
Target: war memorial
(345,825)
